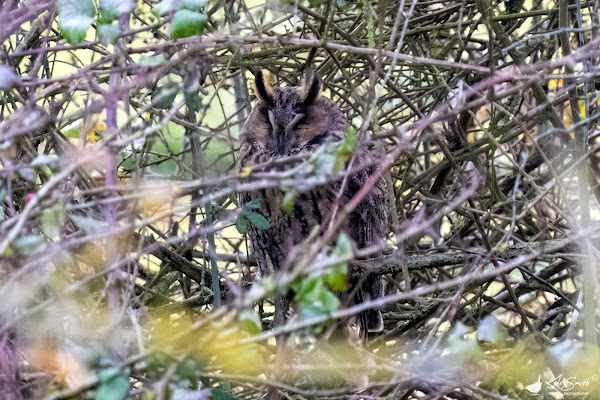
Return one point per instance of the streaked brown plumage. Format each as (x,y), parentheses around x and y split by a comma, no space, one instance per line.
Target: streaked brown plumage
(285,122)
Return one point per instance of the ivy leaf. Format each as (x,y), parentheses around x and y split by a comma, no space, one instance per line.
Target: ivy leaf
(53,219)
(314,298)
(233,198)
(257,220)
(108,33)
(338,277)
(192,100)
(287,205)
(187,23)
(250,322)
(220,394)
(464,347)
(114,385)
(187,370)
(29,244)
(27,173)
(89,225)
(323,160)
(156,362)
(43,159)
(194,5)
(491,329)
(252,205)
(165,7)
(111,9)
(151,61)
(164,96)
(241,223)
(3,193)
(75,16)
(344,150)
(186,394)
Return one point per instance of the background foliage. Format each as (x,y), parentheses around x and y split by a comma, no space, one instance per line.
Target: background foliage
(125,268)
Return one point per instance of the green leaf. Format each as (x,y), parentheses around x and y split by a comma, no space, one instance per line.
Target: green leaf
(114,385)
(343,247)
(75,16)
(192,101)
(43,159)
(218,157)
(337,278)
(257,220)
(157,361)
(344,150)
(187,23)
(194,5)
(287,205)
(220,394)
(314,298)
(231,197)
(303,287)
(464,347)
(241,223)
(164,96)
(567,352)
(187,394)
(252,205)
(72,131)
(323,160)
(187,369)
(89,225)
(111,9)
(250,322)
(151,61)
(167,168)
(27,173)
(108,33)
(3,192)
(53,219)
(29,244)
(491,329)
(165,7)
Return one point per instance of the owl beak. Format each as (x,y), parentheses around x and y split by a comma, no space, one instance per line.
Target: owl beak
(291,125)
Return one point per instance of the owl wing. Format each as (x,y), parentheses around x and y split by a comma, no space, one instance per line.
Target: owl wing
(368,225)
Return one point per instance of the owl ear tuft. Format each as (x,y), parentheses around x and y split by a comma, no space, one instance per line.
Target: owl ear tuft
(311,88)
(264,90)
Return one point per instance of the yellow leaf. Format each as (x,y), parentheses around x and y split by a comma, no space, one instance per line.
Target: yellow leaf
(100,126)
(555,83)
(245,171)
(94,137)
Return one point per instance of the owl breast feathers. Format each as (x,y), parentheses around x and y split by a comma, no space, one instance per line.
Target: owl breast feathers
(287,121)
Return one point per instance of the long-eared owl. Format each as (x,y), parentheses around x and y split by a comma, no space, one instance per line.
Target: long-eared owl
(291,120)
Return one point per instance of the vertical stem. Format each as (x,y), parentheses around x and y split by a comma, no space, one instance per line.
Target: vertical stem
(113,289)
(197,165)
(214,270)
(589,278)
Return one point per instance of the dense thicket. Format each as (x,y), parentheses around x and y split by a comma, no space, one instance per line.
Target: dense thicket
(125,265)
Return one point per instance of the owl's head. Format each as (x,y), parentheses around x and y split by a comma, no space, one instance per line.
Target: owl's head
(294,118)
